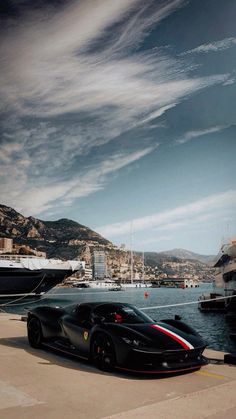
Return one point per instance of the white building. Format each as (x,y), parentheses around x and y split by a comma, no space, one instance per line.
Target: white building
(6,245)
(88,274)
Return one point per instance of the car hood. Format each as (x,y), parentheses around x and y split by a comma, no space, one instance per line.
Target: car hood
(163,336)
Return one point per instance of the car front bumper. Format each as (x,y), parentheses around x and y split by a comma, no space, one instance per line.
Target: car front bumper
(138,360)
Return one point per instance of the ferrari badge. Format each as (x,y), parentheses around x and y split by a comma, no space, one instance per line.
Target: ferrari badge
(86,335)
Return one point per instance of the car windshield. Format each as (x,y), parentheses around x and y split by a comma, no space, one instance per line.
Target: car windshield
(122,314)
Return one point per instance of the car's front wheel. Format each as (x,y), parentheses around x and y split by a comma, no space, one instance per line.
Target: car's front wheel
(35,336)
(102,352)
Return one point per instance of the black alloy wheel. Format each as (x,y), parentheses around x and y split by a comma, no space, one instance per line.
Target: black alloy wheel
(35,336)
(103,353)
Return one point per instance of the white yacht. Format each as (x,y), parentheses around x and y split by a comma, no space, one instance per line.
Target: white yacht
(106,284)
(226,276)
(26,275)
(225,279)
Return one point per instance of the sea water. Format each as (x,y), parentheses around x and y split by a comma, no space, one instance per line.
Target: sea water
(212,326)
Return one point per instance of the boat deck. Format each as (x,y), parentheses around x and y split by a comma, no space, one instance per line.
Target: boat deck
(42,384)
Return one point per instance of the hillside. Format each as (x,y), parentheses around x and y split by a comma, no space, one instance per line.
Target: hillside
(62,238)
(175,255)
(187,255)
(67,239)
(156,259)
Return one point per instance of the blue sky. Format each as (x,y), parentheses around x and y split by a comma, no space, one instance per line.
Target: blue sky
(120,113)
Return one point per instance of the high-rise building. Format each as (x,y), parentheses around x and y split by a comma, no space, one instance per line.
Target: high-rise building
(99,264)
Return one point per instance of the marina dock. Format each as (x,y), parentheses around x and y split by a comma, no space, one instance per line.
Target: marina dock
(44,384)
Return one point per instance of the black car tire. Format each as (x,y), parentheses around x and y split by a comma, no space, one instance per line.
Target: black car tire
(103,352)
(35,336)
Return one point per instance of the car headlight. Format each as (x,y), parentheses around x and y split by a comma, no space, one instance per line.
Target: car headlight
(133,342)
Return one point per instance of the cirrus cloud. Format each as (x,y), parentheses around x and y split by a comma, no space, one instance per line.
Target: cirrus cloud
(216,46)
(178,216)
(73,81)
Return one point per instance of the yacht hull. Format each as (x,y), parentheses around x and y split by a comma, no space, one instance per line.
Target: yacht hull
(21,281)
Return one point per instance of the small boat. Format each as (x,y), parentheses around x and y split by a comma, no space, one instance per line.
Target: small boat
(116,288)
(212,302)
(136,284)
(107,284)
(79,284)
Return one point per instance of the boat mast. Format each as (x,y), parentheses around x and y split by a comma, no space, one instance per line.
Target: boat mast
(143,268)
(131,252)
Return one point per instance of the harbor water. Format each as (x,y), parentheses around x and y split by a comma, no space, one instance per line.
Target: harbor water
(212,326)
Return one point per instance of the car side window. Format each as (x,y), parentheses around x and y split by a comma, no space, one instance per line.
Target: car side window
(105,311)
(110,313)
(121,314)
(83,314)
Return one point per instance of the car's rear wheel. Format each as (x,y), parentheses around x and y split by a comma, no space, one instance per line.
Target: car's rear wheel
(35,336)
(102,352)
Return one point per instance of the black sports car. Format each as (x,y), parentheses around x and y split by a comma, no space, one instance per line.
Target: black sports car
(117,335)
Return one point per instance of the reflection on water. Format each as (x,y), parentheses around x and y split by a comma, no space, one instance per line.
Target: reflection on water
(212,326)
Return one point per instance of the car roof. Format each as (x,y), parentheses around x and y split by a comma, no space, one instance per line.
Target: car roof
(101,303)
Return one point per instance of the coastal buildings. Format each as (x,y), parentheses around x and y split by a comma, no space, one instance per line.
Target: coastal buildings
(88,274)
(6,245)
(114,262)
(177,282)
(86,255)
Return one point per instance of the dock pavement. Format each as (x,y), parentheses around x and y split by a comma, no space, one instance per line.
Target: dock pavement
(36,384)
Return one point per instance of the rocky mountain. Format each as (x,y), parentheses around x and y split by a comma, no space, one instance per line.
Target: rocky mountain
(155,258)
(187,255)
(62,238)
(66,239)
(176,255)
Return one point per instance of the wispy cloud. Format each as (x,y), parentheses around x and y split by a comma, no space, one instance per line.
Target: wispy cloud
(199,133)
(48,71)
(212,46)
(165,219)
(95,178)
(62,76)
(34,200)
(70,81)
(157,239)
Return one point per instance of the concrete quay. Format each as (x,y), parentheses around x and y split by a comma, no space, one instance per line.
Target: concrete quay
(44,384)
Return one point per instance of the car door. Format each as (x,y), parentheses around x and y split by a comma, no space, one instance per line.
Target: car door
(77,328)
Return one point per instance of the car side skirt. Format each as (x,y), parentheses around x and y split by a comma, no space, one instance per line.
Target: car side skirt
(170,371)
(54,346)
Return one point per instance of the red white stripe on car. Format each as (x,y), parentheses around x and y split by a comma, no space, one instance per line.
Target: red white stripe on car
(183,342)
